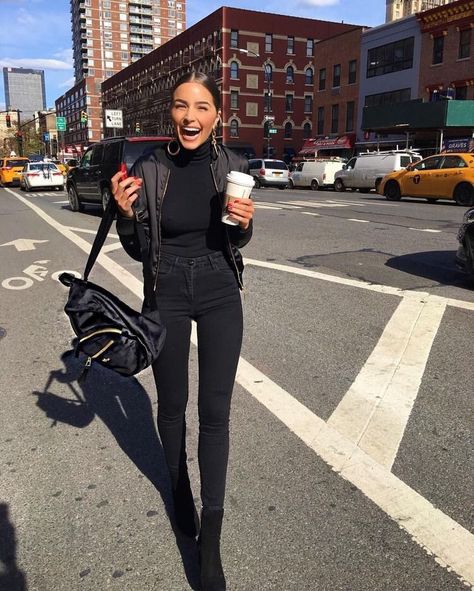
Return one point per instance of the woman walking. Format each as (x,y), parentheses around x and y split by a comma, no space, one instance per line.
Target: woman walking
(177,193)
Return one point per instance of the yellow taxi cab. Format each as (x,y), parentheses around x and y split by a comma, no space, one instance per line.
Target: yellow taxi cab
(10,169)
(62,167)
(444,176)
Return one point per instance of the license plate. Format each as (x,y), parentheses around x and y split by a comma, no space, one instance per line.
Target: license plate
(277,173)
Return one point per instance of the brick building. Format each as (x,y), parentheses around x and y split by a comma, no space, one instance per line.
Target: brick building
(447,54)
(109,35)
(396,9)
(264,64)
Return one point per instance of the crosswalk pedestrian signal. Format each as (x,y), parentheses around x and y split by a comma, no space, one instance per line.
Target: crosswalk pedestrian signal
(8,120)
(84,116)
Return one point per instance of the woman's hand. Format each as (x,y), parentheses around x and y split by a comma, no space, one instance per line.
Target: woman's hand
(124,190)
(242,211)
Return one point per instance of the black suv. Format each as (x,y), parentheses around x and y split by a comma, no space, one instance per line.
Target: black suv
(89,182)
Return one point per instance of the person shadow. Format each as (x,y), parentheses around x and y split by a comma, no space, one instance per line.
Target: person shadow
(124,406)
(11,578)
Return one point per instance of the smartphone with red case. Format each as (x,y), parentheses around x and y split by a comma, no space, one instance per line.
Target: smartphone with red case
(123,168)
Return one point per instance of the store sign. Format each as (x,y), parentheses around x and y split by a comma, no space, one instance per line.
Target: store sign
(113,118)
(458,144)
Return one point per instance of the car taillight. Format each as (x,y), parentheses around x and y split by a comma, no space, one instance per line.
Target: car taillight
(262,172)
(57,174)
(32,174)
(7,168)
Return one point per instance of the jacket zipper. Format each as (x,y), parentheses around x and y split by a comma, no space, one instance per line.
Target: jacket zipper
(159,231)
(237,274)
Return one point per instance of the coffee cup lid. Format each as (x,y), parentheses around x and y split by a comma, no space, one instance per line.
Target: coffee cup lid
(240,178)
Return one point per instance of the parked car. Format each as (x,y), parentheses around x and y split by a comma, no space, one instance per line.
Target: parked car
(365,171)
(10,169)
(89,182)
(465,253)
(315,173)
(41,175)
(444,176)
(269,173)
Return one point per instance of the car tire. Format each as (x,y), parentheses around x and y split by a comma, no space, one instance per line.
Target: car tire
(392,191)
(377,184)
(73,197)
(106,197)
(464,195)
(365,190)
(258,184)
(339,186)
(314,185)
(291,184)
(431,200)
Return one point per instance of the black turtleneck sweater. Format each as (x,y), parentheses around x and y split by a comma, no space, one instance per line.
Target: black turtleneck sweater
(191,210)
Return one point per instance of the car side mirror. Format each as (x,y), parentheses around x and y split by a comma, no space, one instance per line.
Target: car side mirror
(344,167)
(410,167)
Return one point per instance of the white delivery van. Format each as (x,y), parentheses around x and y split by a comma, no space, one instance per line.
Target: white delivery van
(315,173)
(365,171)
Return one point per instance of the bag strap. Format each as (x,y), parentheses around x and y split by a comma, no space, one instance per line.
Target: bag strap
(102,232)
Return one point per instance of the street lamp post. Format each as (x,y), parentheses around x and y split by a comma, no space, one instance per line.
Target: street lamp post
(268,80)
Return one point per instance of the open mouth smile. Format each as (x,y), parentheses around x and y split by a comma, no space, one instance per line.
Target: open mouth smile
(189,133)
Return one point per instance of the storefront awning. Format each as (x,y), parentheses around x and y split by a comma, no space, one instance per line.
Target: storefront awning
(340,142)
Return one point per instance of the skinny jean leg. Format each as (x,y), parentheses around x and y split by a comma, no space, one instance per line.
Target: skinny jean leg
(171,376)
(219,342)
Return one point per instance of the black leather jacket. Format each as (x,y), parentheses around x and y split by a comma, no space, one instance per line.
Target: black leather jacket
(153,169)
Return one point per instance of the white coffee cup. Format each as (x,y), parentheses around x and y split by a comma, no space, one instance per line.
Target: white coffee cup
(239,186)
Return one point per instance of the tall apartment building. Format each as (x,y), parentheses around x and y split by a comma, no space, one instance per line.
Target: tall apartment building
(109,35)
(396,9)
(24,91)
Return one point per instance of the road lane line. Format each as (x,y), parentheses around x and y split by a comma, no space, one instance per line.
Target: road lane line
(360,221)
(435,532)
(60,202)
(375,410)
(426,230)
(316,204)
(387,289)
(310,213)
(85,231)
(111,247)
(259,206)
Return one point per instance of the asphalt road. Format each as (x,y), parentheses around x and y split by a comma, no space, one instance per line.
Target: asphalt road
(351,437)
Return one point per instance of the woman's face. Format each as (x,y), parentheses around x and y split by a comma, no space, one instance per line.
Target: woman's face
(193,113)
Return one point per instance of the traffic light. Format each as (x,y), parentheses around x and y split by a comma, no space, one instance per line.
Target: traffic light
(138,129)
(84,117)
(8,120)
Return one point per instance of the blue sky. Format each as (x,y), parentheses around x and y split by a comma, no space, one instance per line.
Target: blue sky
(37,33)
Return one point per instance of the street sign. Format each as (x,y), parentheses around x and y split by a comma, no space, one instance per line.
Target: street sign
(61,123)
(272,130)
(46,137)
(269,118)
(113,118)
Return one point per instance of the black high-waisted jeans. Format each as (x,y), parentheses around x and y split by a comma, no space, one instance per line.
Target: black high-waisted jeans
(203,289)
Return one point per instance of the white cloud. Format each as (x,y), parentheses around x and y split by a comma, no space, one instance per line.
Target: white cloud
(67,83)
(35,63)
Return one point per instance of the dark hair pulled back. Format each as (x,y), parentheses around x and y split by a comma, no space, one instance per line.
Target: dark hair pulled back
(201,78)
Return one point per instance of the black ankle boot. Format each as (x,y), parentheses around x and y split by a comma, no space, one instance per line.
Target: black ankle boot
(184,508)
(212,574)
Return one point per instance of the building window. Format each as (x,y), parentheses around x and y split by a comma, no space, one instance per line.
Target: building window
(309,47)
(234,70)
(320,120)
(322,79)
(336,76)
(352,76)
(234,99)
(384,98)
(306,131)
(290,75)
(288,131)
(234,38)
(289,102)
(290,47)
(308,103)
(461,93)
(464,44)
(392,57)
(334,118)
(268,73)
(438,49)
(350,116)
(268,42)
(268,102)
(308,76)
(234,128)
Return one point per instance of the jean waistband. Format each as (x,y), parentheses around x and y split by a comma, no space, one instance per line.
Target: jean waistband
(207,260)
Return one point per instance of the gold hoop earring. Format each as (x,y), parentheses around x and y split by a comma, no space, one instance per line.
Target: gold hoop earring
(170,146)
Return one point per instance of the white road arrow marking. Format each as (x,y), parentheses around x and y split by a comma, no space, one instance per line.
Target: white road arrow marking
(24,243)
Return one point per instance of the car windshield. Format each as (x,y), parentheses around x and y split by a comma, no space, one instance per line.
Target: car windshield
(15,163)
(43,166)
(275,165)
